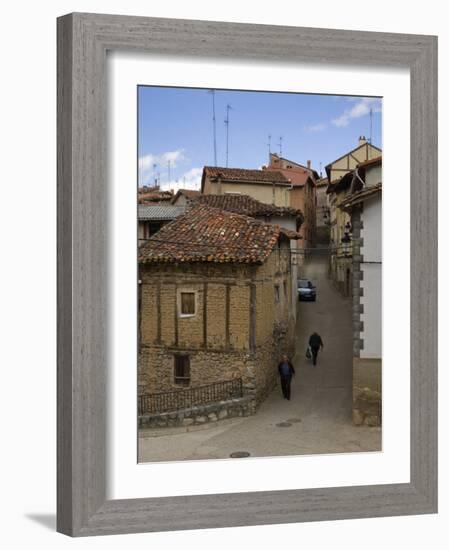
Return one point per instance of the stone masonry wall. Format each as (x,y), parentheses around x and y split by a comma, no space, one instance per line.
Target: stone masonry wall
(239,329)
(156,368)
(367,392)
(201,415)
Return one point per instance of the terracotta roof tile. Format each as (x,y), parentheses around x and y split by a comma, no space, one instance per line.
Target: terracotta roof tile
(205,234)
(240,174)
(360,196)
(144,196)
(296,176)
(246,205)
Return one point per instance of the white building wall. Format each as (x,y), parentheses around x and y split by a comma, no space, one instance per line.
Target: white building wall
(373,175)
(372,278)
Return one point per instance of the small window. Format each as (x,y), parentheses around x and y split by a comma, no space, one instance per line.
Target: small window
(277,295)
(285,289)
(187,303)
(182,370)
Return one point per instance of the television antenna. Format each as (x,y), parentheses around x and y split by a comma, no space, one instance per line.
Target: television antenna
(214,126)
(280,146)
(228,108)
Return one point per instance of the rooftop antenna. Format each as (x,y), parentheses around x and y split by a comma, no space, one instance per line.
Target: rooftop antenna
(154,174)
(214,126)
(321,171)
(269,147)
(280,146)
(228,108)
(370,125)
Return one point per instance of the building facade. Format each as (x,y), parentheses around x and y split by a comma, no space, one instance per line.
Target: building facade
(322,213)
(340,174)
(290,219)
(302,195)
(364,205)
(214,303)
(267,187)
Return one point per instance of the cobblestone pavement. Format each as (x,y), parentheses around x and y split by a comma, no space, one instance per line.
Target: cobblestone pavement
(318,417)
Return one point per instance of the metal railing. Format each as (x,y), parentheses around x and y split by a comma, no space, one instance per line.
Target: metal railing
(154,403)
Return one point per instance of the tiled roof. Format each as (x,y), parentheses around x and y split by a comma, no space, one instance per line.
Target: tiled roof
(360,196)
(156,212)
(243,175)
(296,176)
(153,196)
(371,162)
(246,205)
(205,234)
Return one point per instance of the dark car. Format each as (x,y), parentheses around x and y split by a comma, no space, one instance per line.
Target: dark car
(306,290)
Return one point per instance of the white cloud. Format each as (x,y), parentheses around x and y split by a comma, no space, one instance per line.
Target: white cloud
(316,127)
(360,108)
(147,163)
(189,180)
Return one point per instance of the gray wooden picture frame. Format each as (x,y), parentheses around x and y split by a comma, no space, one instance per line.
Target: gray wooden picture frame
(83,40)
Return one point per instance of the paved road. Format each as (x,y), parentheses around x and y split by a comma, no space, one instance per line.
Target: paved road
(319,413)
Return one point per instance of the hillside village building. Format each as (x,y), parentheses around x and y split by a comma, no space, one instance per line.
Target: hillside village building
(268,187)
(215,291)
(302,194)
(290,219)
(339,173)
(364,205)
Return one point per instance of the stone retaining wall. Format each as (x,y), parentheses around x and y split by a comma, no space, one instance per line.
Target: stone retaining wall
(367,392)
(200,415)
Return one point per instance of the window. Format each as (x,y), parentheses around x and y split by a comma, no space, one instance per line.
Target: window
(187,303)
(182,370)
(277,295)
(285,289)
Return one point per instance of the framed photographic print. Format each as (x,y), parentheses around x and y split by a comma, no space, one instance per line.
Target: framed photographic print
(247,315)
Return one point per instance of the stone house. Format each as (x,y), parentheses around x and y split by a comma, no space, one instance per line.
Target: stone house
(340,173)
(288,218)
(267,187)
(152,216)
(364,205)
(302,194)
(214,303)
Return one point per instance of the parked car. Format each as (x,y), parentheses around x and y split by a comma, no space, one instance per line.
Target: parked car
(306,290)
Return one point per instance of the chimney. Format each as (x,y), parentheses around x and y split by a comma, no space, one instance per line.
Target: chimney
(362,140)
(309,164)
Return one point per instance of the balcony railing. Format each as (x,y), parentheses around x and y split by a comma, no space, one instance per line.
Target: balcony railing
(154,403)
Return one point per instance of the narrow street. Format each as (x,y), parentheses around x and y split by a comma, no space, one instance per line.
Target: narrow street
(318,417)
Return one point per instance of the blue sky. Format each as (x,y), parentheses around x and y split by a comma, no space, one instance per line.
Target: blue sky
(175,128)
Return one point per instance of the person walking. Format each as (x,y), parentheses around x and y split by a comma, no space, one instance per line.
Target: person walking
(315,343)
(286,371)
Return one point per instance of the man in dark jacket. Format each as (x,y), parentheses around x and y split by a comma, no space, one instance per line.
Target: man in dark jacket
(286,371)
(315,344)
